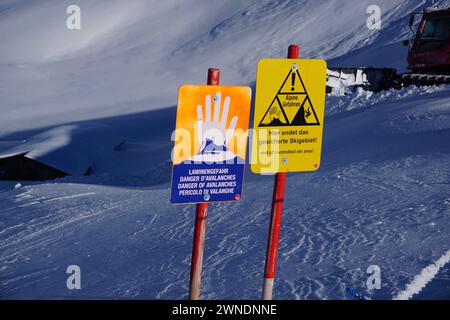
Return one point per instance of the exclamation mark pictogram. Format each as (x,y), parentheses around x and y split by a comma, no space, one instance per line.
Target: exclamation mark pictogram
(293,81)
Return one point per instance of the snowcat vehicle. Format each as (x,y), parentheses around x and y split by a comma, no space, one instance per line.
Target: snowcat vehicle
(428,59)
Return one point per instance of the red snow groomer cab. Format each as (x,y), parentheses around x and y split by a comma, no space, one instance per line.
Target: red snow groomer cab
(430,49)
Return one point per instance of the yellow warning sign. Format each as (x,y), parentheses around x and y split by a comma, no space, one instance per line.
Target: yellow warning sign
(288,118)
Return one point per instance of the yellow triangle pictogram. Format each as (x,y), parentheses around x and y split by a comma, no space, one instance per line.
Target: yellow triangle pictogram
(310,114)
(291,104)
(274,116)
(293,84)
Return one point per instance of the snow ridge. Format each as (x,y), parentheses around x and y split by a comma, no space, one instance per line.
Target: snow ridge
(421,280)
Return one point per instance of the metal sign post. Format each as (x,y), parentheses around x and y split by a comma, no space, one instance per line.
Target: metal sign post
(275,217)
(197,251)
(201,214)
(210,146)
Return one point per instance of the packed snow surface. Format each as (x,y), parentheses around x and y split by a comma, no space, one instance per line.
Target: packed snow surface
(106,95)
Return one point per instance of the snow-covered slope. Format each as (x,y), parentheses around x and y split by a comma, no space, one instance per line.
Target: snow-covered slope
(131,56)
(381,197)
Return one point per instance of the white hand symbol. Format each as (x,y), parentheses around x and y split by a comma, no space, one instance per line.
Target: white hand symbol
(211,128)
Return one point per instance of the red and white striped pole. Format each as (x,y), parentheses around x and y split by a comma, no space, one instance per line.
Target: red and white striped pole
(201,214)
(275,217)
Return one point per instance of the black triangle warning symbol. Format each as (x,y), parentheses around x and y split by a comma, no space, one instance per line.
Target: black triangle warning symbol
(292,105)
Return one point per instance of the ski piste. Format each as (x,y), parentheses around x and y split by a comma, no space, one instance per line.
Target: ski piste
(99,104)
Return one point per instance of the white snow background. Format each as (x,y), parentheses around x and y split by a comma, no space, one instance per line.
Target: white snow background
(381,196)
